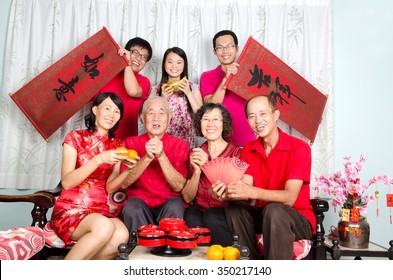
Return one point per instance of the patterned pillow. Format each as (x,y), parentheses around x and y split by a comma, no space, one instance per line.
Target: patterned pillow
(21,243)
(51,239)
(116,201)
(301,248)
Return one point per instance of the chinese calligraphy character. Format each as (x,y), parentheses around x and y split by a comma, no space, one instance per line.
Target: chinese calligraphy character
(259,78)
(65,88)
(90,66)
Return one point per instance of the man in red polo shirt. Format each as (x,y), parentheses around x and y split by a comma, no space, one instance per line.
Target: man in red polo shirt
(154,183)
(276,183)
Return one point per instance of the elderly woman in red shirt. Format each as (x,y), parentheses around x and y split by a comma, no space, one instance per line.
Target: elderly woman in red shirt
(213,122)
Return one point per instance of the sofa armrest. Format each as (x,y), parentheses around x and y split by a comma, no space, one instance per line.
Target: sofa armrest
(42,202)
(320,206)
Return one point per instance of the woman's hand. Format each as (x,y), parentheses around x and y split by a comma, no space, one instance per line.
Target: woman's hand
(110,157)
(184,86)
(218,191)
(166,91)
(198,158)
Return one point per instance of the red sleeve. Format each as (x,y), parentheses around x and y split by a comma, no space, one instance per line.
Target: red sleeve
(144,83)
(300,165)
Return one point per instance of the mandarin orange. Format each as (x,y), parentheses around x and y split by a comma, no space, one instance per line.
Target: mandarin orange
(215,252)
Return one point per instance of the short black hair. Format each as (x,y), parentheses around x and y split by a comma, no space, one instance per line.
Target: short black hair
(137,41)
(225,32)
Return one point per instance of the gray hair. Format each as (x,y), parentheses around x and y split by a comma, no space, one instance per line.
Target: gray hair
(163,99)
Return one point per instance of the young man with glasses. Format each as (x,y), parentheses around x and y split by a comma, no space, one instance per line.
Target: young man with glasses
(225,48)
(132,87)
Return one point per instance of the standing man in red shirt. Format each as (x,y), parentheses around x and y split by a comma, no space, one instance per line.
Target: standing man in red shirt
(277,182)
(132,87)
(154,186)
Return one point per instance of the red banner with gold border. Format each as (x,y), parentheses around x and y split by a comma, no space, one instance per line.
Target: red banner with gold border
(56,94)
(262,73)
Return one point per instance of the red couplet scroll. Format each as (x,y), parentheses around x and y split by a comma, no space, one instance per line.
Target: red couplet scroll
(57,93)
(262,73)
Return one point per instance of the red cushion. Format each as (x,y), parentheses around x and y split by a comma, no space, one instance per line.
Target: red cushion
(21,243)
(301,248)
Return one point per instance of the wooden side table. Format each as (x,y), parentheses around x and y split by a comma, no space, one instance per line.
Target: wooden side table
(373,250)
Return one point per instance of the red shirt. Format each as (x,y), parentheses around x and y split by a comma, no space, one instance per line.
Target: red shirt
(152,186)
(289,159)
(129,123)
(204,199)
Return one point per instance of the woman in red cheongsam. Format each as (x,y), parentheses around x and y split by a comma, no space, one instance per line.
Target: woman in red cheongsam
(81,214)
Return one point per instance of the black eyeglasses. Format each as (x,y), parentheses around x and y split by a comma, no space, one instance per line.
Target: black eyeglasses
(220,48)
(138,54)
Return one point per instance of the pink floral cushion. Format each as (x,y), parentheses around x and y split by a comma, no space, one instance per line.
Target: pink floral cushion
(116,201)
(51,239)
(301,248)
(21,243)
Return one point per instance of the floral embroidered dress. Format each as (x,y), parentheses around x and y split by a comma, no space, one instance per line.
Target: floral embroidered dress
(181,125)
(90,196)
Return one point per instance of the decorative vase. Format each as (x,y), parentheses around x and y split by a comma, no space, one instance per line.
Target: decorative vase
(354,235)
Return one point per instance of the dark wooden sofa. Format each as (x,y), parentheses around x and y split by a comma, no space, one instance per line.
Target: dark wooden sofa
(44,200)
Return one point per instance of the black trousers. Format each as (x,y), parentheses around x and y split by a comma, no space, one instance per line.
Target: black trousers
(280,225)
(213,219)
(136,213)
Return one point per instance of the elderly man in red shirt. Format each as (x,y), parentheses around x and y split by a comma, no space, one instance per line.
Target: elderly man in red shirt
(276,183)
(154,185)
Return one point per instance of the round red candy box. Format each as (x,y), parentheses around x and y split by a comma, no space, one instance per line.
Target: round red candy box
(181,239)
(170,224)
(152,238)
(148,227)
(204,234)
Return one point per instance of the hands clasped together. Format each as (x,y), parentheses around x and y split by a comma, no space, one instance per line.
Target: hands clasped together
(154,148)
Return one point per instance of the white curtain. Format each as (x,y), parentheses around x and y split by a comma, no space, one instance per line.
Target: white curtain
(40,32)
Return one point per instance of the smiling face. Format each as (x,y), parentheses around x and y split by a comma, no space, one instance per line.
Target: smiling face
(174,66)
(212,125)
(156,116)
(107,115)
(226,49)
(138,58)
(262,117)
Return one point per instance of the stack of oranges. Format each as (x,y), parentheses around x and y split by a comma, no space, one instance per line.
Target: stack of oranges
(131,153)
(217,252)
